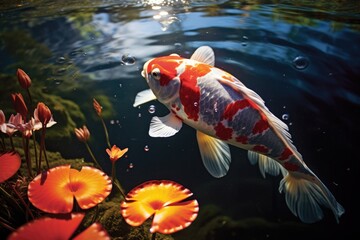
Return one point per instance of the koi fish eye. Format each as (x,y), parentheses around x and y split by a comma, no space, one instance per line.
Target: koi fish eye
(156,73)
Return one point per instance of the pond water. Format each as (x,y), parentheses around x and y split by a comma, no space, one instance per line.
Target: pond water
(301,57)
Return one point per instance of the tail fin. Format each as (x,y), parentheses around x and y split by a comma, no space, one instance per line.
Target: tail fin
(304,198)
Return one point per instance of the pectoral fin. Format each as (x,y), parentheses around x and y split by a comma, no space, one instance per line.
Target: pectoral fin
(144,97)
(215,154)
(266,164)
(166,126)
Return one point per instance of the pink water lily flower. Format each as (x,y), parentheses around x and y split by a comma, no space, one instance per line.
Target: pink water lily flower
(14,122)
(27,128)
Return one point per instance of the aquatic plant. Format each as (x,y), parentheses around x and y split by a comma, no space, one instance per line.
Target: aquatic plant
(98,110)
(115,153)
(55,188)
(59,228)
(54,191)
(164,200)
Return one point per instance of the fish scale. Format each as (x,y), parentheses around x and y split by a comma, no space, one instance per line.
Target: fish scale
(243,122)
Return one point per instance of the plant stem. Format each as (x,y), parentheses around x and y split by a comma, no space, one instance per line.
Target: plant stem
(23,202)
(12,143)
(10,199)
(7,226)
(35,150)
(28,92)
(28,157)
(106,132)
(3,142)
(113,171)
(92,156)
(43,149)
(115,180)
(153,237)
(46,159)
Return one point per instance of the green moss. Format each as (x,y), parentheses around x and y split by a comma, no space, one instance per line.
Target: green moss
(212,225)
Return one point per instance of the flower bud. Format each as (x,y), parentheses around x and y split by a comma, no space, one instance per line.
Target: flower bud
(97,107)
(19,104)
(82,134)
(43,113)
(24,79)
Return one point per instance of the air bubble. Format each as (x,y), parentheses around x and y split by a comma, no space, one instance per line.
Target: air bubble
(127,59)
(151,109)
(61,60)
(244,41)
(300,63)
(285,116)
(146,148)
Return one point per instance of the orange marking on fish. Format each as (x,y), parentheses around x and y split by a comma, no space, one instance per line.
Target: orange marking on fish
(228,77)
(189,90)
(167,68)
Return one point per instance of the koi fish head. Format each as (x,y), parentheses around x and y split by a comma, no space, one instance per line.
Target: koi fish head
(162,76)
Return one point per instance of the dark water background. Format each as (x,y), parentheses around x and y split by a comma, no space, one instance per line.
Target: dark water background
(301,57)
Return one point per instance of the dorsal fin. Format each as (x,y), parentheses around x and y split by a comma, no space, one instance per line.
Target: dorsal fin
(204,54)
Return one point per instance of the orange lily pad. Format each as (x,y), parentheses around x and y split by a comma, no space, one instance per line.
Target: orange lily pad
(165,200)
(61,228)
(95,231)
(9,164)
(49,228)
(54,191)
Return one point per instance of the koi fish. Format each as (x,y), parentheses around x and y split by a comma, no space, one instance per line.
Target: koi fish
(224,112)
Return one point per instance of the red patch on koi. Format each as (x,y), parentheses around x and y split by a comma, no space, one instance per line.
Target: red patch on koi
(261,149)
(285,154)
(189,91)
(242,139)
(167,68)
(232,108)
(291,166)
(223,132)
(260,126)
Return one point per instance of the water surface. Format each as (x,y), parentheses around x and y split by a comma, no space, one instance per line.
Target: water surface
(302,58)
